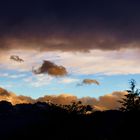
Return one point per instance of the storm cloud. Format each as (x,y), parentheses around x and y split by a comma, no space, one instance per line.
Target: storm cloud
(80,25)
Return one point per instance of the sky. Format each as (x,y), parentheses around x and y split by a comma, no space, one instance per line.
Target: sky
(69,46)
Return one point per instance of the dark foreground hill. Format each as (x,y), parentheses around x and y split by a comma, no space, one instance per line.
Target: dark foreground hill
(50,122)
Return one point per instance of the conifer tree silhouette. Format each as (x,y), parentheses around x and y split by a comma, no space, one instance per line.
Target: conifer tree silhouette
(131,102)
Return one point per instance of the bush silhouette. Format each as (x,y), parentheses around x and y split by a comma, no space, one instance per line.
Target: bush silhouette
(5,107)
(78,108)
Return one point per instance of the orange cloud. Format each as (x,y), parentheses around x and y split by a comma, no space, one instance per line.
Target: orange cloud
(13,98)
(106,102)
(63,99)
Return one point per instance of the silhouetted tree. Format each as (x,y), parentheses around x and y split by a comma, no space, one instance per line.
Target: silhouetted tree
(78,108)
(131,102)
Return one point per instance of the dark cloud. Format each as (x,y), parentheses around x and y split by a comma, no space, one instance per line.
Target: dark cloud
(51,69)
(73,25)
(90,81)
(16,58)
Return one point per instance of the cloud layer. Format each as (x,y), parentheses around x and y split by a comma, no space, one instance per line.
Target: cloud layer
(108,101)
(94,62)
(70,26)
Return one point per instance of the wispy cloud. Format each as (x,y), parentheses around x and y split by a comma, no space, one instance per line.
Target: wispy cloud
(103,62)
(12,76)
(123,61)
(68,80)
(39,80)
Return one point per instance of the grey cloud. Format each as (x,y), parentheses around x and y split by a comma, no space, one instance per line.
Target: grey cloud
(70,26)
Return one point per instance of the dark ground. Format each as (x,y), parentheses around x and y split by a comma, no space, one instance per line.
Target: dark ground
(48,122)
